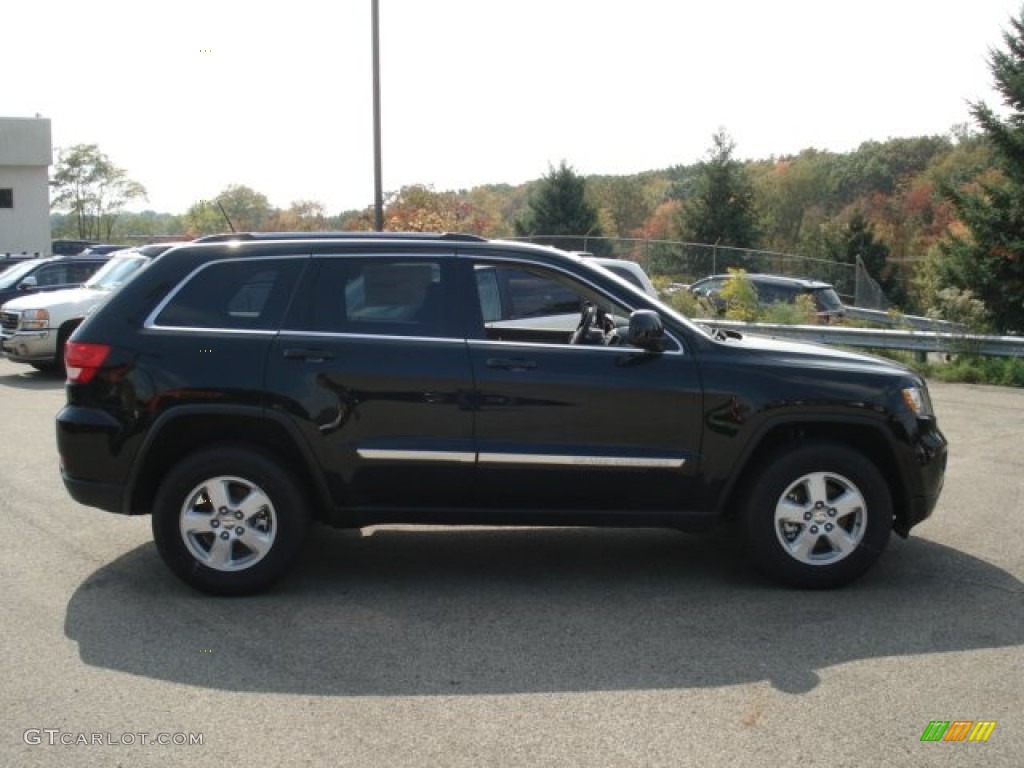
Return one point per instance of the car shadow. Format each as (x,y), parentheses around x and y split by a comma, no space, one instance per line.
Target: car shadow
(427,612)
(30,378)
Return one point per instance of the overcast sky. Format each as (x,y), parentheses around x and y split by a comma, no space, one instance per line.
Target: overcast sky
(198,95)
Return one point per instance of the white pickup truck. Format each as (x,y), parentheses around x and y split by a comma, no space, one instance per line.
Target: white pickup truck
(34,328)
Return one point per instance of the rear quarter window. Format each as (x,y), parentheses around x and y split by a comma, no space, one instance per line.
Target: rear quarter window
(233,295)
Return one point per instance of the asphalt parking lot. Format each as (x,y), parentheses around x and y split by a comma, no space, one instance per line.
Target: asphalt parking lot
(408,646)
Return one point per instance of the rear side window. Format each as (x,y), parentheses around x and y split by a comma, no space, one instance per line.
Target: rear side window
(397,296)
(234,295)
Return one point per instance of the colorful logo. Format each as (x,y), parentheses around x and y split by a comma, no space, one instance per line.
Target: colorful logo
(958,730)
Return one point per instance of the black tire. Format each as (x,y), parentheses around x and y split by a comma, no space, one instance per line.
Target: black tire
(817,515)
(205,543)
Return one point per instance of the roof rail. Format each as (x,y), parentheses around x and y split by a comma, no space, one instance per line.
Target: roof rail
(346,235)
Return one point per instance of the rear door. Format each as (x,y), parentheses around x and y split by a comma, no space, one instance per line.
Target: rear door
(372,367)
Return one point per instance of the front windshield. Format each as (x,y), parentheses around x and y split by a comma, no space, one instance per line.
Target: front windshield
(694,323)
(115,272)
(12,275)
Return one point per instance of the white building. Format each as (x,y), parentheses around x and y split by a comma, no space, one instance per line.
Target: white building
(25,156)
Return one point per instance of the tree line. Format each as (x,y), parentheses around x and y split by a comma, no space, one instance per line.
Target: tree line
(938,220)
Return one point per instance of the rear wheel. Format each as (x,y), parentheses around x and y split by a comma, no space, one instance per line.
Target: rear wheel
(229,520)
(817,516)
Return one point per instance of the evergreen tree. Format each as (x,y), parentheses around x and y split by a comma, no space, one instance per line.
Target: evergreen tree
(989,259)
(857,238)
(722,209)
(558,213)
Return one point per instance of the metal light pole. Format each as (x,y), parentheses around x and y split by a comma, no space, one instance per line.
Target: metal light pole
(378,189)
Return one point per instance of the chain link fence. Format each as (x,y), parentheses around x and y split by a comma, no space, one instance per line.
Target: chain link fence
(680,262)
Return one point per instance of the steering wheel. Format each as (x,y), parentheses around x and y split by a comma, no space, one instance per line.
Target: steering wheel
(587,318)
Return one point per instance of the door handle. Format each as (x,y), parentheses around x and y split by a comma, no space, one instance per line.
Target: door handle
(511,364)
(309,355)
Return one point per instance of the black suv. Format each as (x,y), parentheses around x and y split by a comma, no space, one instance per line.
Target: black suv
(774,289)
(239,390)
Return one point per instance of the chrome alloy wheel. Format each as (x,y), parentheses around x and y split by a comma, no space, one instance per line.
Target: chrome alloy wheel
(821,518)
(228,523)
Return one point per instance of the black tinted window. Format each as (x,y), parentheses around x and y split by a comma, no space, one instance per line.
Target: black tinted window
(399,296)
(234,295)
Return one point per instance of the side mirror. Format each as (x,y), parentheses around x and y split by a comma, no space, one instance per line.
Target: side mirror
(28,283)
(646,330)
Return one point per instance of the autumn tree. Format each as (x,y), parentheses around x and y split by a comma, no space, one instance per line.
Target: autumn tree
(92,189)
(988,259)
(558,213)
(721,211)
(300,216)
(418,208)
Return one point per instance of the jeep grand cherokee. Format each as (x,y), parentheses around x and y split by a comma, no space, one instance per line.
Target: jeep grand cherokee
(239,389)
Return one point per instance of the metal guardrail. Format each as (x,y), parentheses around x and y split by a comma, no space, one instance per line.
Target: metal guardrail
(879,317)
(879,338)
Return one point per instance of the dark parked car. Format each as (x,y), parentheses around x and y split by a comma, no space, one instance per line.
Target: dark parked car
(773,289)
(70,247)
(51,274)
(237,391)
(102,249)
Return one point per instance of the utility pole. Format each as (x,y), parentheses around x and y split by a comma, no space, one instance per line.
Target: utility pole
(378,189)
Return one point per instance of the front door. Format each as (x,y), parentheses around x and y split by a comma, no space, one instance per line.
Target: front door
(575,426)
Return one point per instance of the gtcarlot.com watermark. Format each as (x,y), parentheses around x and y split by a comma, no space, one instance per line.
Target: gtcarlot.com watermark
(55,737)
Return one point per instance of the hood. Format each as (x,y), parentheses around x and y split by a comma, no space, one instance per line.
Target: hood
(49,299)
(804,353)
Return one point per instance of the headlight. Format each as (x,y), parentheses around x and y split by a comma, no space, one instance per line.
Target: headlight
(35,320)
(917,400)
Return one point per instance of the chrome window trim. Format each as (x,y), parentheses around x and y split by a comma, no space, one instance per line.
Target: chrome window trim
(373,336)
(150,322)
(196,329)
(618,349)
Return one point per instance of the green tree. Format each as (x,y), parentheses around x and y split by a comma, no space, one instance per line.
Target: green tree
(625,202)
(988,259)
(247,210)
(721,211)
(558,213)
(93,190)
(789,192)
(857,239)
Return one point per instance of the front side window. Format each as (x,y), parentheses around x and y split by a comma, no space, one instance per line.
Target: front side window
(541,305)
(233,295)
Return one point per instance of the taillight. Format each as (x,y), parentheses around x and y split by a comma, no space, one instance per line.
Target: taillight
(81,360)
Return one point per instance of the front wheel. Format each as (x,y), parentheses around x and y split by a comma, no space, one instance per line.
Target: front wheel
(229,520)
(817,516)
